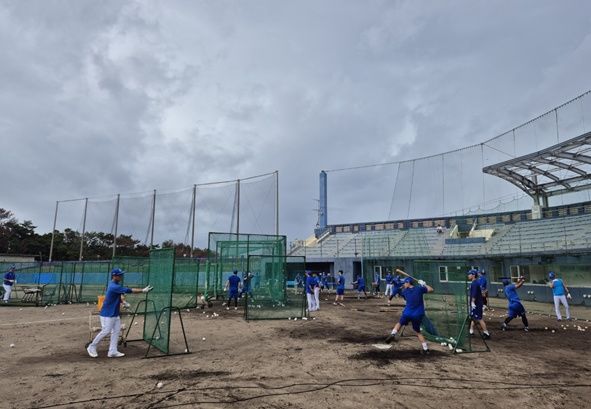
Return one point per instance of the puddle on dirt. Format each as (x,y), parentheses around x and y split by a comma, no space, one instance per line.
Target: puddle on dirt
(187,374)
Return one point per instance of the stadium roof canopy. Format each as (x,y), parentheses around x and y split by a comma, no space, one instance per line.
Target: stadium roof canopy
(559,169)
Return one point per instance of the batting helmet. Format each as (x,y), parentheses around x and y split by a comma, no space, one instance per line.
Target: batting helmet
(506,282)
(408,280)
(117,272)
(551,275)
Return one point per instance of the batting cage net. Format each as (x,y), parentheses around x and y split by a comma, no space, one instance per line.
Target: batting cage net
(230,251)
(269,287)
(159,300)
(446,309)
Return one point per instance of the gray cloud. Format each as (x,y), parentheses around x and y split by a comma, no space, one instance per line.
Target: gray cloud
(99,98)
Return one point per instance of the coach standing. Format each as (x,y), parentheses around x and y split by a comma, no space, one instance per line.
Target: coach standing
(109,315)
(9,281)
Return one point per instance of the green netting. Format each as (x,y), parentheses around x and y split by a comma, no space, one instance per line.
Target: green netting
(159,300)
(186,282)
(136,275)
(91,280)
(230,251)
(266,290)
(446,318)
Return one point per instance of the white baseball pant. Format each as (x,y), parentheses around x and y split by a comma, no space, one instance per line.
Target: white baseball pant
(561,299)
(311,302)
(7,291)
(110,325)
(389,290)
(317,297)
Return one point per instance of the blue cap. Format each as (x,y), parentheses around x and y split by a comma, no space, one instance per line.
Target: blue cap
(408,280)
(12,267)
(235,271)
(308,272)
(117,272)
(472,272)
(506,281)
(551,275)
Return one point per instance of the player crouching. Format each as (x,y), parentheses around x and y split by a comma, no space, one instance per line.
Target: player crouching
(515,309)
(413,312)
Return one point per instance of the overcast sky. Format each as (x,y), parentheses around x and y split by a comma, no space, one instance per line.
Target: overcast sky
(99,97)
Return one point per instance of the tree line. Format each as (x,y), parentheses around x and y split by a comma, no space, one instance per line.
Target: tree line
(21,238)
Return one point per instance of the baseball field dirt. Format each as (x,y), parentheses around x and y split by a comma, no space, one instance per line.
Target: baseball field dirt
(325,361)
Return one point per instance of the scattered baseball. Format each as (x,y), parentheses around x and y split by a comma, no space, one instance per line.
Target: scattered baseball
(553,331)
(11,345)
(159,385)
(546,328)
(203,339)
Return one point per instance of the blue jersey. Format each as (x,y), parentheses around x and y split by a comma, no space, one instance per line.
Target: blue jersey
(397,282)
(9,276)
(511,294)
(476,292)
(360,282)
(112,300)
(324,281)
(557,287)
(233,281)
(341,282)
(483,282)
(414,300)
(376,278)
(389,279)
(310,284)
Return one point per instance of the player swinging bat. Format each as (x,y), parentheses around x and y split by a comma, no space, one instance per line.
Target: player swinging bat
(414,311)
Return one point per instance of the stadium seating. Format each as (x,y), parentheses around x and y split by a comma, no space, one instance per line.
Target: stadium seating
(567,233)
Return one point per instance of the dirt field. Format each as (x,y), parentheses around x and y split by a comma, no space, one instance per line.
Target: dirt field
(328,361)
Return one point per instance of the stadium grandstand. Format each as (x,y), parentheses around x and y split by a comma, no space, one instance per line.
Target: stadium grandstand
(548,228)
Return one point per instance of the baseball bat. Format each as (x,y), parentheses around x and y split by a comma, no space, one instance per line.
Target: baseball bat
(404,274)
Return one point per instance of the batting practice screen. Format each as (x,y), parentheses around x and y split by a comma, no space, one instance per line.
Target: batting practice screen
(159,300)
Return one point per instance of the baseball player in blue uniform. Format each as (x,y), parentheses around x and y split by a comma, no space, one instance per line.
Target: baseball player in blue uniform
(309,284)
(483,287)
(376,284)
(246,285)
(360,286)
(561,293)
(476,304)
(389,285)
(109,314)
(413,312)
(515,308)
(340,288)
(232,286)
(9,281)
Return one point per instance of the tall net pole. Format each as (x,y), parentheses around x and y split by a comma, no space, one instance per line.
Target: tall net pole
(53,231)
(193,207)
(116,225)
(277,202)
(83,230)
(153,217)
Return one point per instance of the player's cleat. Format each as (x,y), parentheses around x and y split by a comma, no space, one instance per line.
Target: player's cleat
(526,329)
(235,308)
(91,351)
(425,352)
(485,336)
(391,338)
(504,327)
(116,355)
(227,308)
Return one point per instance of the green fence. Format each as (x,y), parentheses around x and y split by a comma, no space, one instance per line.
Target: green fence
(266,290)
